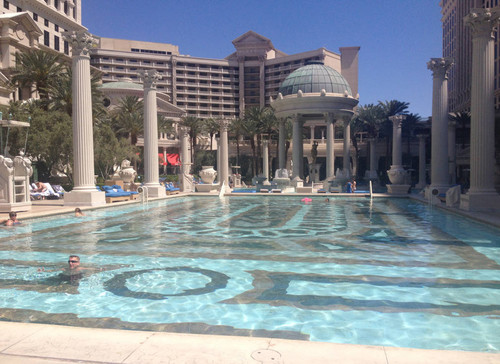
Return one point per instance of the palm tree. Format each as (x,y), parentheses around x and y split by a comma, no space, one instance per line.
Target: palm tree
(463,120)
(390,108)
(39,68)
(211,127)
(251,127)
(128,118)
(410,123)
(60,92)
(195,126)
(236,128)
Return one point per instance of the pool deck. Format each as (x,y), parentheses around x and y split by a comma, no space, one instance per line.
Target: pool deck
(29,343)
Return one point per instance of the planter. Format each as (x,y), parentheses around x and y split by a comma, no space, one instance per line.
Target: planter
(208,174)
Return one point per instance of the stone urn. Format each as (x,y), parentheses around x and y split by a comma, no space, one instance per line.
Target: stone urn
(208,174)
(397,175)
(127,173)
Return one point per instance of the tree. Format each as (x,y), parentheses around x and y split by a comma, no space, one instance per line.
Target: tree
(390,108)
(410,123)
(462,120)
(128,118)
(109,150)
(60,92)
(39,68)
(211,127)
(251,127)
(195,126)
(236,129)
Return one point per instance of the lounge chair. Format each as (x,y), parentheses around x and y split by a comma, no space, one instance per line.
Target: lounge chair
(170,188)
(39,195)
(53,195)
(113,194)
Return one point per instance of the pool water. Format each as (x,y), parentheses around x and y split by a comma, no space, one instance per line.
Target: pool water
(391,272)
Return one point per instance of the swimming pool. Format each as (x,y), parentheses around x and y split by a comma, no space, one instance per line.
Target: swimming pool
(388,272)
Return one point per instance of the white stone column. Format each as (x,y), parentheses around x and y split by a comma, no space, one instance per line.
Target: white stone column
(421,161)
(439,132)
(217,177)
(482,194)
(452,158)
(84,192)
(224,154)
(185,178)
(151,175)
(330,146)
(296,148)
(301,149)
(312,127)
(397,174)
(346,173)
(282,146)
(265,158)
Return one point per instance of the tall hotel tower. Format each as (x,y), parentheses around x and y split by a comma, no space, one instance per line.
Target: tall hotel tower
(457,44)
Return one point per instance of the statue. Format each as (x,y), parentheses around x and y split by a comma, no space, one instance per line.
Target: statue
(314,152)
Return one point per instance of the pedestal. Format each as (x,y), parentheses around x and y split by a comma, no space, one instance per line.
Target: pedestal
(84,198)
(480,201)
(398,189)
(156,191)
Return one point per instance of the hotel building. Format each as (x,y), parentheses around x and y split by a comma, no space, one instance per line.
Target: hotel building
(457,44)
(217,88)
(27,24)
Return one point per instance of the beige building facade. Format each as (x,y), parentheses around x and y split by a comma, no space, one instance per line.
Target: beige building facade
(32,24)
(217,88)
(457,44)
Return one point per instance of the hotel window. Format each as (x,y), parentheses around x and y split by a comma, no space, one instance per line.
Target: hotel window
(46,38)
(19,9)
(66,8)
(5,4)
(56,4)
(56,42)
(66,47)
(56,27)
(46,22)
(35,16)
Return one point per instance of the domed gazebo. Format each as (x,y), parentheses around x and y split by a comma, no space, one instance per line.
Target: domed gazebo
(315,92)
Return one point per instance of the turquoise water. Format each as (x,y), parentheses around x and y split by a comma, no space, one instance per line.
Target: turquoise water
(389,272)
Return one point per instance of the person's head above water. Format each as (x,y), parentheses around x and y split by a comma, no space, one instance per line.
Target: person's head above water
(74,261)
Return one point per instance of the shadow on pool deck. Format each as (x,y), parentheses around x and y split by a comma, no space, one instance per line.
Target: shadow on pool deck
(28,343)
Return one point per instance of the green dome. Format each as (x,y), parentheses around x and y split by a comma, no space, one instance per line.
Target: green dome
(315,77)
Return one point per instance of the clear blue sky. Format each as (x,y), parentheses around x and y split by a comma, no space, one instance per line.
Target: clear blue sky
(397,37)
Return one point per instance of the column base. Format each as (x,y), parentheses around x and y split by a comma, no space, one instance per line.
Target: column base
(156,191)
(84,198)
(394,189)
(207,187)
(16,207)
(477,201)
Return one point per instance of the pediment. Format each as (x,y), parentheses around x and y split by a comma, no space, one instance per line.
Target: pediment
(253,40)
(22,28)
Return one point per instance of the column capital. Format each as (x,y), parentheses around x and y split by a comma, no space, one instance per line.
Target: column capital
(397,119)
(224,124)
(149,78)
(483,22)
(184,129)
(440,66)
(81,42)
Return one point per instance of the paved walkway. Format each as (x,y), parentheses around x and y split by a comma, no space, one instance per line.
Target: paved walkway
(24,343)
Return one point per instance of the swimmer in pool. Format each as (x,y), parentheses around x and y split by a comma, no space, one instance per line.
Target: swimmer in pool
(12,219)
(78,212)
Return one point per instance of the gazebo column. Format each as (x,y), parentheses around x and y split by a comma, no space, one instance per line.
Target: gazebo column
(439,135)
(217,176)
(312,127)
(330,146)
(265,159)
(282,146)
(346,172)
(397,174)
(296,148)
(151,175)
(452,156)
(482,194)
(421,161)
(165,159)
(84,192)
(224,154)
(186,177)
